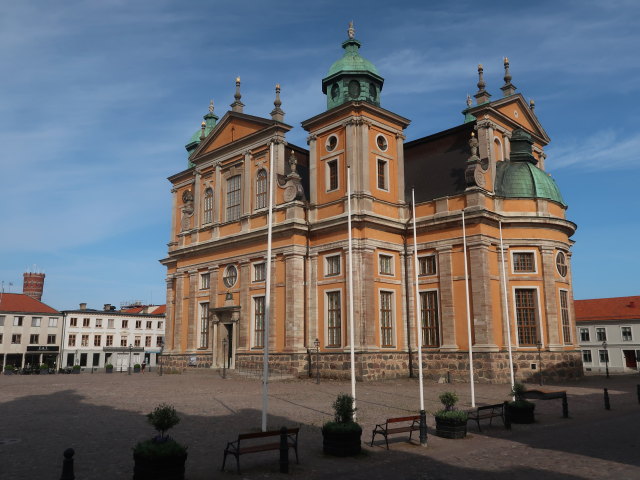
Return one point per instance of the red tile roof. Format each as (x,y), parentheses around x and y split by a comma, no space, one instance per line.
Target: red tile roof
(160,310)
(20,303)
(151,309)
(618,308)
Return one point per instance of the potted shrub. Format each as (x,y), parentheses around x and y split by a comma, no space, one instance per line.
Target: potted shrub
(520,410)
(44,369)
(160,458)
(9,369)
(108,368)
(136,368)
(341,437)
(75,369)
(450,423)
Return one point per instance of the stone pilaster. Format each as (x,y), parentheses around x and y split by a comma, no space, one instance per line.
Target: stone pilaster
(294,295)
(193,316)
(313,315)
(313,170)
(365,269)
(400,158)
(447,304)
(482,308)
(247,180)
(217,195)
(551,305)
(179,312)
(401,319)
(169,324)
(243,327)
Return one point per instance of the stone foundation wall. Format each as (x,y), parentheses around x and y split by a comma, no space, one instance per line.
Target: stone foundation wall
(443,367)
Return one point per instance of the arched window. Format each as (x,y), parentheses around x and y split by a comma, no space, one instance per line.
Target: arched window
(261,188)
(208,205)
(234,191)
(497,150)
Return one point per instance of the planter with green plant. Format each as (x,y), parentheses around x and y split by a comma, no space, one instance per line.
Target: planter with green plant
(108,368)
(136,368)
(76,369)
(44,369)
(450,423)
(160,458)
(9,369)
(520,410)
(341,437)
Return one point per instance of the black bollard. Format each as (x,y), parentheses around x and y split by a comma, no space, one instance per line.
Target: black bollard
(507,418)
(565,406)
(423,428)
(638,393)
(284,451)
(607,405)
(67,465)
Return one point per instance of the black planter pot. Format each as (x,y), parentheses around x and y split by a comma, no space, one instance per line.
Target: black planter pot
(136,369)
(109,370)
(521,413)
(340,443)
(164,468)
(447,428)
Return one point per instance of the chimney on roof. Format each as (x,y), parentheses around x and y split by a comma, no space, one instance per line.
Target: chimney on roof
(83,306)
(631,304)
(107,307)
(33,285)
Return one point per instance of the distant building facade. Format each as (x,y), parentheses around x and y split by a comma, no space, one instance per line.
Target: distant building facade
(122,338)
(489,171)
(608,330)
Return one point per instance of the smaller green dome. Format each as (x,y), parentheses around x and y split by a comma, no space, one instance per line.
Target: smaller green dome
(525,180)
(351,61)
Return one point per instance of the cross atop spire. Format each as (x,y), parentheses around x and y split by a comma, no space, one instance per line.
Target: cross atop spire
(508,88)
(481,95)
(237,105)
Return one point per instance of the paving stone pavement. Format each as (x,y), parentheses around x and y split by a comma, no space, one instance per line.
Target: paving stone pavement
(102,416)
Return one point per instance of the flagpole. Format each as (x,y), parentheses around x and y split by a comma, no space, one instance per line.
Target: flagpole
(506,307)
(417,308)
(351,331)
(466,285)
(267,300)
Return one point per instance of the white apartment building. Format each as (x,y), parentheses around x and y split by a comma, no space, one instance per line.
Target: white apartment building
(122,338)
(608,331)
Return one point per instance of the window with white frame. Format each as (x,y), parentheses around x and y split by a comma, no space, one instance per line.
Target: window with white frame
(86,322)
(125,323)
(160,325)
(429,318)
(204,281)
(53,322)
(2,317)
(17,321)
(98,323)
(84,341)
(16,338)
(604,356)
(123,341)
(204,325)
(586,356)
(334,319)
(427,265)
(386,319)
(382,171)
(138,324)
(36,321)
(332,265)
(261,189)
(109,341)
(526,316)
(73,322)
(258,321)
(564,313)
(524,262)
(51,339)
(159,342)
(110,323)
(34,339)
(149,324)
(1,338)
(208,206)
(136,341)
(626,334)
(386,264)
(332,175)
(72,340)
(147,341)
(561,264)
(601,334)
(234,197)
(259,272)
(97,340)
(584,334)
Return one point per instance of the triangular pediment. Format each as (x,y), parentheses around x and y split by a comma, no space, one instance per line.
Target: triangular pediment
(232,127)
(515,110)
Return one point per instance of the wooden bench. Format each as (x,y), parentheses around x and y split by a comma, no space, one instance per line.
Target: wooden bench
(547,395)
(249,443)
(486,411)
(412,424)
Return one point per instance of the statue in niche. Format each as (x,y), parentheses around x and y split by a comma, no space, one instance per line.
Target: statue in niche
(187,210)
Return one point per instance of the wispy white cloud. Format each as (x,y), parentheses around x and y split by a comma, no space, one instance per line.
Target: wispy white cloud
(602,150)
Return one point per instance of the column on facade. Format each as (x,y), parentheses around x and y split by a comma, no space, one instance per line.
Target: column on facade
(247,181)
(213,297)
(482,308)
(294,302)
(551,307)
(447,303)
(400,159)
(169,313)
(361,167)
(313,169)
(178,312)
(403,320)
(273,305)
(197,201)
(243,327)
(366,291)
(217,198)
(313,315)
(193,313)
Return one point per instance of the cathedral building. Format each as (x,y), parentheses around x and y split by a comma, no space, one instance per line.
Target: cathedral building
(474,184)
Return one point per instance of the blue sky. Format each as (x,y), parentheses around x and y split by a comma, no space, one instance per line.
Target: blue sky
(98,98)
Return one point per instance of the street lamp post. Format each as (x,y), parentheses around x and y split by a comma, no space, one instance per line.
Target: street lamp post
(539,347)
(160,357)
(316,344)
(130,352)
(224,357)
(606,358)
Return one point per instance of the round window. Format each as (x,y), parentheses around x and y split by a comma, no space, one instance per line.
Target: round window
(382,142)
(354,89)
(561,264)
(230,276)
(332,143)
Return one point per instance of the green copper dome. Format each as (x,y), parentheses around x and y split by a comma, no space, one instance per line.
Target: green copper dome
(519,177)
(352,77)
(209,122)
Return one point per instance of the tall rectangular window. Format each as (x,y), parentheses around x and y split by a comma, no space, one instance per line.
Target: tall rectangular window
(584,335)
(334,320)
(564,312)
(258,321)
(123,341)
(604,356)
(86,322)
(204,281)
(73,322)
(626,334)
(524,262)
(429,317)
(2,317)
(386,264)
(259,272)
(586,356)
(261,189)
(98,323)
(208,206)
(110,323)
(109,341)
(34,339)
(526,316)
(234,191)
(53,322)
(16,338)
(427,265)
(72,340)
(97,340)
(386,319)
(147,341)
(36,321)
(204,325)
(85,341)
(136,341)
(332,176)
(382,175)
(332,265)
(149,324)
(51,339)
(138,323)
(125,323)
(17,321)
(601,334)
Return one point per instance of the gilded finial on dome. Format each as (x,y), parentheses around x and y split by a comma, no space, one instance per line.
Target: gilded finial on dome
(351,31)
